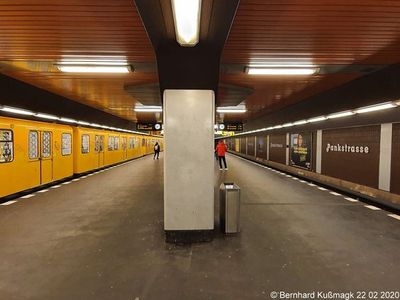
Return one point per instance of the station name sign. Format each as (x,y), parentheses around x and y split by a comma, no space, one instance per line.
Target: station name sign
(347,148)
(149,126)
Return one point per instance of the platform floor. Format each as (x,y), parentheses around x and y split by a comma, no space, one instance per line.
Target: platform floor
(101,237)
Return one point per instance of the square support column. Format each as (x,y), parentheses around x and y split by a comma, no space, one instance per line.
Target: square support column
(188,165)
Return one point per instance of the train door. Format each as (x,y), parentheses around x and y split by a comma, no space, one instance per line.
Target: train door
(124,149)
(99,149)
(46,157)
(144,147)
(41,154)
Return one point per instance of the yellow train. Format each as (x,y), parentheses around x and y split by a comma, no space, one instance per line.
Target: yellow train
(35,153)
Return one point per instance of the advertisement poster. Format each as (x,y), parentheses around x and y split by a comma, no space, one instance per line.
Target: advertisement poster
(300,150)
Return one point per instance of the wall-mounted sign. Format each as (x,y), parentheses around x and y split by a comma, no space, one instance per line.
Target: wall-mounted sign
(300,150)
(149,126)
(347,148)
(230,126)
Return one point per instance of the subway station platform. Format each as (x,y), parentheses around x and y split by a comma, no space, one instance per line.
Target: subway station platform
(101,237)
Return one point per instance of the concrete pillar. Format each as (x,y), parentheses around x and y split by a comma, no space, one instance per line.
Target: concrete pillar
(267,147)
(189,164)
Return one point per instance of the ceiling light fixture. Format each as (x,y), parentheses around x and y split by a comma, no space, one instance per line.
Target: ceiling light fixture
(281,71)
(317,119)
(288,125)
(148,108)
(222,110)
(383,106)
(67,120)
(92,68)
(17,111)
(340,114)
(301,122)
(187,21)
(46,116)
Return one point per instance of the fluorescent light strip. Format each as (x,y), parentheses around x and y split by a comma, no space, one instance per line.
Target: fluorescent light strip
(231,111)
(148,109)
(317,119)
(371,108)
(281,71)
(46,116)
(300,122)
(340,114)
(93,68)
(187,21)
(66,120)
(17,111)
(360,110)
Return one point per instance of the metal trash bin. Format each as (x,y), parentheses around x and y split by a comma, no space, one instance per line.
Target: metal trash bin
(229,209)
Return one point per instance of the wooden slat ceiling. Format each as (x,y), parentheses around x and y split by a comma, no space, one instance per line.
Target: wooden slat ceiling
(36,34)
(320,32)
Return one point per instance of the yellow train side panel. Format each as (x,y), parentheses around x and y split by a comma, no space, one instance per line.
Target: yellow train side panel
(89,149)
(31,154)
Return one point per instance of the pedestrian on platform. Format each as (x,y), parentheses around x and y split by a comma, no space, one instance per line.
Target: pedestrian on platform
(156,150)
(221,150)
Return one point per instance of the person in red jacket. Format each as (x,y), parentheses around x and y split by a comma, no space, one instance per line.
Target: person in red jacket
(221,150)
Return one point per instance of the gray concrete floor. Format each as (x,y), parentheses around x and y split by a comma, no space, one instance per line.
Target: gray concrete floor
(101,238)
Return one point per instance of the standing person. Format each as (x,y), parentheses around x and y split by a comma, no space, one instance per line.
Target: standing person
(221,150)
(156,150)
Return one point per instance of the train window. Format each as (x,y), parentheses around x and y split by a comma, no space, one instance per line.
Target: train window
(33,145)
(123,143)
(85,143)
(110,143)
(143,142)
(6,146)
(46,144)
(116,143)
(131,143)
(99,143)
(66,144)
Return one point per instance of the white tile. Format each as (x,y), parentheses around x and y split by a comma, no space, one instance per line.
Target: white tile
(43,191)
(56,186)
(322,189)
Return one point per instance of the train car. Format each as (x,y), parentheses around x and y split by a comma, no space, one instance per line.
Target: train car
(33,153)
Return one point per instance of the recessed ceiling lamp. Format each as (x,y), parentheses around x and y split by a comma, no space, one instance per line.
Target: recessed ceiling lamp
(187,21)
(148,108)
(280,71)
